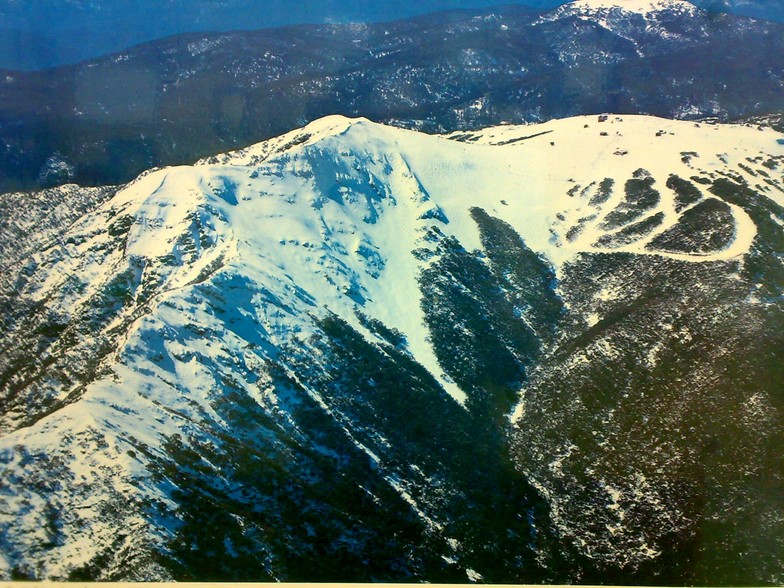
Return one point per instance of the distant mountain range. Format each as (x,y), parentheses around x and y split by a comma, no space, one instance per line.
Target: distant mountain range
(173,101)
(37,34)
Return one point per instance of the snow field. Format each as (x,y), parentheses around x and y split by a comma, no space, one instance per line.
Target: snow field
(244,250)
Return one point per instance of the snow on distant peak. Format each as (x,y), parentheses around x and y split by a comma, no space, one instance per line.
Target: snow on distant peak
(616,15)
(635,6)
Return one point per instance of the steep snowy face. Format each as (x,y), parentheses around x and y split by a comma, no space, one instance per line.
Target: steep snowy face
(338,321)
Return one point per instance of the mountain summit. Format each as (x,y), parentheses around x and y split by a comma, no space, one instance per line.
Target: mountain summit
(523,354)
(632,19)
(636,6)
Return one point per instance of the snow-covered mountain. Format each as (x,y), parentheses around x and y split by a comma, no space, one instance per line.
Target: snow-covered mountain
(644,7)
(648,27)
(355,352)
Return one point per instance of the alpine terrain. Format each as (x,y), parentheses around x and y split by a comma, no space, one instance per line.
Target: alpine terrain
(538,353)
(39,35)
(182,98)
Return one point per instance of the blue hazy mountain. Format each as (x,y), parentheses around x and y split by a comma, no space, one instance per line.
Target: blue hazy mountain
(193,95)
(46,33)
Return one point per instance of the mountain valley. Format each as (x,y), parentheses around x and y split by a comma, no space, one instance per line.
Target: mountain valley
(480,296)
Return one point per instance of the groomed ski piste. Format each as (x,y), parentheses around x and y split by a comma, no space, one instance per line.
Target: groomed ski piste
(324,217)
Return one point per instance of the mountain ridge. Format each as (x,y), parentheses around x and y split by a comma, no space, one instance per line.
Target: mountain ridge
(636,6)
(309,351)
(182,99)
(29,48)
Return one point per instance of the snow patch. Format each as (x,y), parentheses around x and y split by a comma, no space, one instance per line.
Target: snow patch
(635,6)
